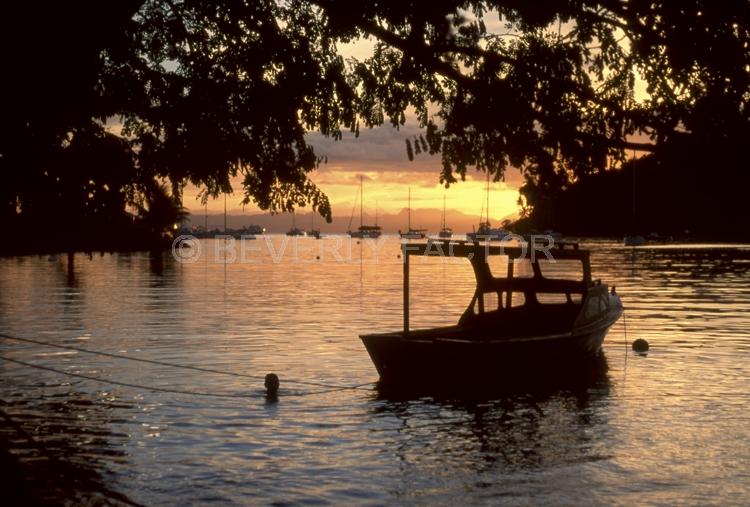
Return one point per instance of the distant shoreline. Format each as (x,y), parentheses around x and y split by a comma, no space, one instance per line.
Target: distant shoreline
(100,247)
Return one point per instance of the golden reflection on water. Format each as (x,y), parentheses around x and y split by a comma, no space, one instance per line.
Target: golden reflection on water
(665,428)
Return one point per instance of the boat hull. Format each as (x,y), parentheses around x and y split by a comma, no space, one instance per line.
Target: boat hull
(446,356)
(494,235)
(365,235)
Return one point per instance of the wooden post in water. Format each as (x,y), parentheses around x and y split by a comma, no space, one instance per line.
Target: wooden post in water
(405,253)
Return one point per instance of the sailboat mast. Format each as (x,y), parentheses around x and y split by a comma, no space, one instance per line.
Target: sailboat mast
(488,196)
(361,201)
(634,163)
(443,211)
(408,210)
(354,208)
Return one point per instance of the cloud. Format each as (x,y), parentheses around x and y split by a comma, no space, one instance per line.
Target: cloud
(379,145)
(383,150)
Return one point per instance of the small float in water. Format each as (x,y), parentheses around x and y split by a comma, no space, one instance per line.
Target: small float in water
(527,321)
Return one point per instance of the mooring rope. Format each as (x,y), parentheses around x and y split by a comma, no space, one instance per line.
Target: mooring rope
(182,366)
(118,383)
(169,389)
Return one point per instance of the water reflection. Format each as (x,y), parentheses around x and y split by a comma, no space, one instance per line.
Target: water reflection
(692,263)
(666,432)
(484,440)
(63,445)
(69,291)
(570,378)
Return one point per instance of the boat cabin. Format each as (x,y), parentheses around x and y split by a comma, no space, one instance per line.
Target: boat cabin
(525,290)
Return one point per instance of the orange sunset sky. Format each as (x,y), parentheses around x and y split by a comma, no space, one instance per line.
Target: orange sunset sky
(379,155)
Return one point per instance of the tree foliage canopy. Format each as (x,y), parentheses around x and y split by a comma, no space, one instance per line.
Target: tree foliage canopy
(208,90)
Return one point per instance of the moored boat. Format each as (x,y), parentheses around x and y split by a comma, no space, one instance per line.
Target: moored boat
(366,231)
(486,232)
(445,231)
(294,230)
(255,229)
(529,324)
(314,233)
(363,231)
(412,233)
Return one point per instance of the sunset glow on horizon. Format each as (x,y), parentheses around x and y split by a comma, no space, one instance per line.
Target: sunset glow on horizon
(387,192)
(379,155)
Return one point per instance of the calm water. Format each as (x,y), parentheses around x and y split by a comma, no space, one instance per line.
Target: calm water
(672,428)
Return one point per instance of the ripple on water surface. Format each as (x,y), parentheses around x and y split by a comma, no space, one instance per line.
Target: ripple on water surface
(667,428)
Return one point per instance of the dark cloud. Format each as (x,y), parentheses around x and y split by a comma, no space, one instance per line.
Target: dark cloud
(383,150)
(384,146)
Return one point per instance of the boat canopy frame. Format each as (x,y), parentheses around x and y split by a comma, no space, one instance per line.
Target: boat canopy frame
(479,253)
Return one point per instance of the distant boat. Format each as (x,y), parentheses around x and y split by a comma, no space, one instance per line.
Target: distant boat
(412,233)
(514,327)
(255,229)
(314,233)
(636,240)
(364,231)
(294,231)
(445,231)
(249,232)
(239,234)
(486,232)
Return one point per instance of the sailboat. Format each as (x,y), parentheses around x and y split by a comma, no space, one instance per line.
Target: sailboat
(412,233)
(445,232)
(314,233)
(486,232)
(364,231)
(294,231)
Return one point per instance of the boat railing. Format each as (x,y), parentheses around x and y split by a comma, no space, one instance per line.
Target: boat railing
(478,255)
(535,285)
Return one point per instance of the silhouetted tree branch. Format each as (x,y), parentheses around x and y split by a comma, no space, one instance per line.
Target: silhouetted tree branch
(204,91)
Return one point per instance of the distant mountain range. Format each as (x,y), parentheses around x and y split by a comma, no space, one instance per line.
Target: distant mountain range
(429,219)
